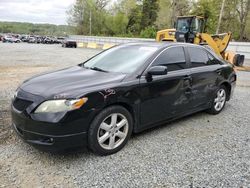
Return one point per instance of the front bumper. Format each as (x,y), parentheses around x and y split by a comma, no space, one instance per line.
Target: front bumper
(52,137)
(52,143)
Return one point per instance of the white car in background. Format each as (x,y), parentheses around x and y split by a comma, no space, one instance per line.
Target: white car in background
(11,39)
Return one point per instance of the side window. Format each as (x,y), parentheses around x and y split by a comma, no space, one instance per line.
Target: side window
(173,58)
(198,57)
(212,60)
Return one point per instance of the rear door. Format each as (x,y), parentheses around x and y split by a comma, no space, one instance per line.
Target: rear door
(166,96)
(205,73)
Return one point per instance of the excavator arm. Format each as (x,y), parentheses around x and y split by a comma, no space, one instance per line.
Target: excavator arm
(222,41)
(218,43)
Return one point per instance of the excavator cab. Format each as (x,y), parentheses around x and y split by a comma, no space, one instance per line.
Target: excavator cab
(187,27)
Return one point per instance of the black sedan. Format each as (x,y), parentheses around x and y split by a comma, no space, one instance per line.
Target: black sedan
(123,90)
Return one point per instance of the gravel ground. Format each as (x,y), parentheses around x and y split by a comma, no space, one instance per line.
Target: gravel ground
(197,151)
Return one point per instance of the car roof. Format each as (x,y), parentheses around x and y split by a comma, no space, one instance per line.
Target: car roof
(164,44)
(160,45)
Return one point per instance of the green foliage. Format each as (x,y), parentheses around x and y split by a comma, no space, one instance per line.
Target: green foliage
(116,24)
(149,13)
(140,18)
(134,20)
(36,29)
(144,17)
(148,32)
(230,16)
(208,9)
(126,17)
(163,20)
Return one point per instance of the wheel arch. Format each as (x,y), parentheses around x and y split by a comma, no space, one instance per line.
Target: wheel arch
(129,108)
(228,87)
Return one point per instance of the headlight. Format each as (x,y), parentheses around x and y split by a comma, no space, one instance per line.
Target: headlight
(171,33)
(60,105)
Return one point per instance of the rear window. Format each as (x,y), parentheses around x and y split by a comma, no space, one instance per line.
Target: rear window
(201,57)
(198,57)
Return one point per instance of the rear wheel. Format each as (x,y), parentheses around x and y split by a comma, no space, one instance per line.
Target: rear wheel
(219,100)
(110,130)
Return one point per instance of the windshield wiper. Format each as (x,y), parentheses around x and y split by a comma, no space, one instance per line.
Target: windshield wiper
(97,69)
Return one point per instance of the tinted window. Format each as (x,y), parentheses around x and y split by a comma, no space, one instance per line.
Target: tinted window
(183,24)
(173,58)
(198,57)
(212,60)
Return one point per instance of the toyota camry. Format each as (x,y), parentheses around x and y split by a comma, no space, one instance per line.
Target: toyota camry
(126,89)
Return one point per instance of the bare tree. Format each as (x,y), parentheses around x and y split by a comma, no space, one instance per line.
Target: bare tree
(101,4)
(179,8)
(242,10)
(220,17)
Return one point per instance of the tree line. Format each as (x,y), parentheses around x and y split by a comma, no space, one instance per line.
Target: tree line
(142,18)
(36,29)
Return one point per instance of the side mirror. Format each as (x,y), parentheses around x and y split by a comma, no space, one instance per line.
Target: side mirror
(158,70)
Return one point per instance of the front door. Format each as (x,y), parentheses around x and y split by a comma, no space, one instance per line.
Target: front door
(166,96)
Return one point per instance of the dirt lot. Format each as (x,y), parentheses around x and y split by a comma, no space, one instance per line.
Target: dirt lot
(198,151)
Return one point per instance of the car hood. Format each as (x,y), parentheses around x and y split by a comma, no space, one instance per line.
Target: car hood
(71,82)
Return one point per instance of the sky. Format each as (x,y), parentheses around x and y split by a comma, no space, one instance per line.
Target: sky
(35,11)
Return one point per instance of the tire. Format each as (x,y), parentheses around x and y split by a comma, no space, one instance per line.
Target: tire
(241,60)
(105,123)
(217,107)
(238,60)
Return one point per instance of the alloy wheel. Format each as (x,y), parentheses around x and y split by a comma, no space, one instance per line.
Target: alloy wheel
(112,131)
(220,100)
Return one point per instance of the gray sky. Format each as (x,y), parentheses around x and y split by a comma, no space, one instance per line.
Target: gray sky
(35,11)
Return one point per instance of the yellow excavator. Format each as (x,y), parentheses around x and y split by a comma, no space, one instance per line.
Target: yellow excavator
(191,29)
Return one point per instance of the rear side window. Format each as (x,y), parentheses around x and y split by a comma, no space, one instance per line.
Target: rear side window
(173,58)
(198,57)
(212,60)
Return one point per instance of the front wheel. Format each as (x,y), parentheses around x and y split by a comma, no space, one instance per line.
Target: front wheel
(110,130)
(219,101)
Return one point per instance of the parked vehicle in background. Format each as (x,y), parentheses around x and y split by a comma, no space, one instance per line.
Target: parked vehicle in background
(48,40)
(60,40)
(16,38)
(32,40)
(69,43)
(11,39)
(24,38)
(39,39)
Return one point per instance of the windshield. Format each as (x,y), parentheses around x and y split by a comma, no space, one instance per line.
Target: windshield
(121,59)
(183,24)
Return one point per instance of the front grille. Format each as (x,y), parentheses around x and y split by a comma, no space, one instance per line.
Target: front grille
(21,104)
